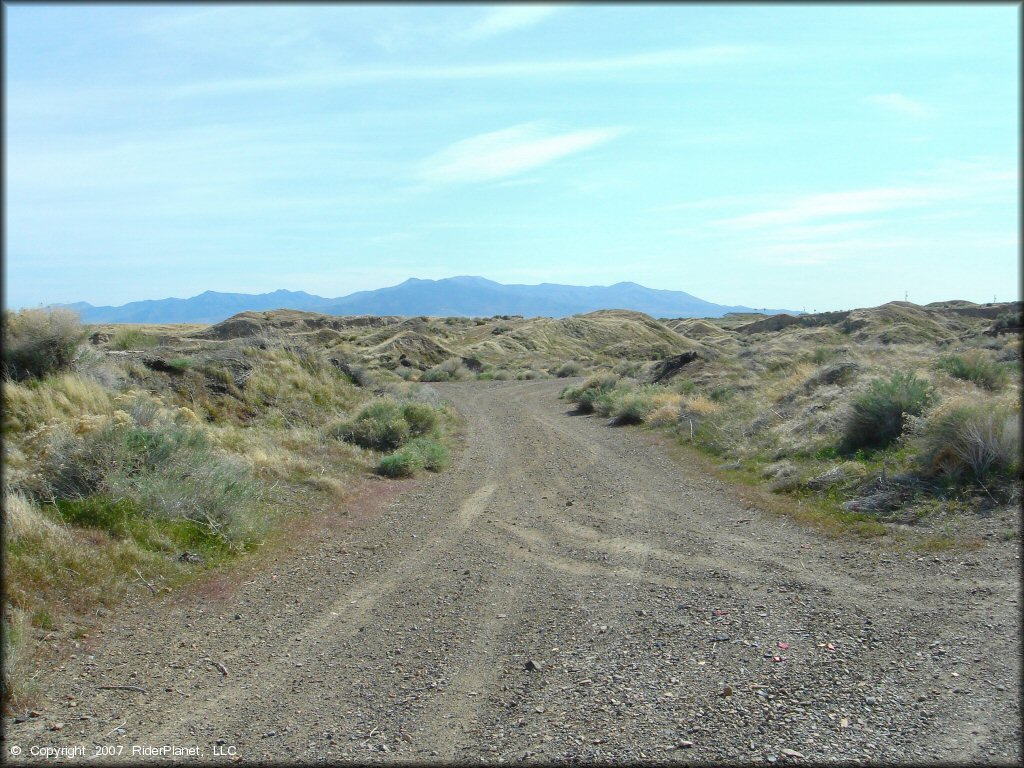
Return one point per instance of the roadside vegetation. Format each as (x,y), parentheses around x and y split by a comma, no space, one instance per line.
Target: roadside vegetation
(861,434)
(137,468)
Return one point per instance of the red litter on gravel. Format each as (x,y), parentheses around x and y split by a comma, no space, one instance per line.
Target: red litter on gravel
(719,612)
(784,646)
(778,658)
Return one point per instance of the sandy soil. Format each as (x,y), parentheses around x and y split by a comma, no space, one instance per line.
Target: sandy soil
(565,592)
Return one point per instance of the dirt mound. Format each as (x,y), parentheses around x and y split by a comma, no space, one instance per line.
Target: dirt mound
(779,322)
(247,324)
(412,349)
(696,328)
(900,322)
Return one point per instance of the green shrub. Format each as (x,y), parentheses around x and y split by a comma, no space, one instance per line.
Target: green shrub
(420,453)
(587,393)
(969,441)
(685,386)
(530,374)
(433,453)
(132,338)
(606,400)
(823,355)
(384,425)
(39,342)
(974,366)
(451,369)
(163,471)
(380,426)
(569,369)
(420,417)
(628,368)
(632,407)
(879,414)
(721,394)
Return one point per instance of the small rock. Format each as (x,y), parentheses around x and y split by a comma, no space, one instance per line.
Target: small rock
(532,666)
(791,753)
(870,701)
(57,727)
(684,745)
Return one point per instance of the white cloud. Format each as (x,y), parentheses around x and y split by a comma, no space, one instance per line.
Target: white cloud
(508,152)
(901,105)
(831,204)
(334,77)
(507,18)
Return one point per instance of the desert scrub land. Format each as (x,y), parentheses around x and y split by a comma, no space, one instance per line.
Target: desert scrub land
(137,457)
(892,419)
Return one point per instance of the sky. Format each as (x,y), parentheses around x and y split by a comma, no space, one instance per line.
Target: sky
(810,157)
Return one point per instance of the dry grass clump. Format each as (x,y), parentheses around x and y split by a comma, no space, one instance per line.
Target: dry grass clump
(451,369)
(132,338)
(969,440)
(24,520)
(633,406)
(700,405)
(666,415)
(61,398)
(295,388)
(568,370)
(39,342)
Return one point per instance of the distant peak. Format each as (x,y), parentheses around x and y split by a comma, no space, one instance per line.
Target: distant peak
(468,279)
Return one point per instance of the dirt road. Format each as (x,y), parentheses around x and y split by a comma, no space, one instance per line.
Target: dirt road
(566,591)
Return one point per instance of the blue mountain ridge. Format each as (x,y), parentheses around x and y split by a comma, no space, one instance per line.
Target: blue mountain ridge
(463,296)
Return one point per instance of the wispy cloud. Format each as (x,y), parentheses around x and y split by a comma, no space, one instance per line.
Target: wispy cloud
(508,152)
(901,105)
(507,18)
(833,204)
(340,76)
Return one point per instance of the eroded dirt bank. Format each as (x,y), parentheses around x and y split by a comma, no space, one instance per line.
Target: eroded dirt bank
(565,592)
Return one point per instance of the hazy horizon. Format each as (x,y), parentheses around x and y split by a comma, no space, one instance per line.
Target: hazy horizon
(771,156)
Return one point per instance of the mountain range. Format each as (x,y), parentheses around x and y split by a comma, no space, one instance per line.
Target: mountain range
(453,296)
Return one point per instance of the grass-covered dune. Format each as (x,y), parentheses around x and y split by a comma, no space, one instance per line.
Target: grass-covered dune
(878,418)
